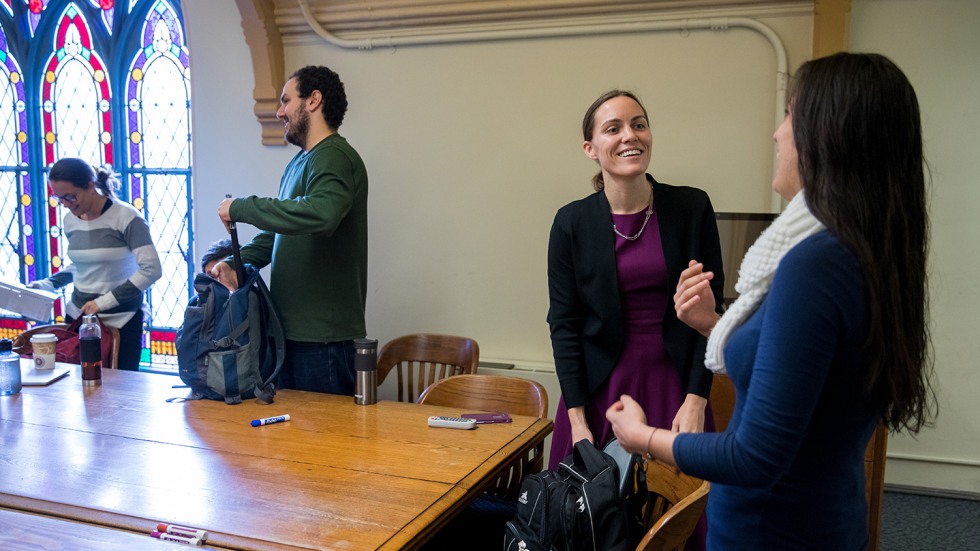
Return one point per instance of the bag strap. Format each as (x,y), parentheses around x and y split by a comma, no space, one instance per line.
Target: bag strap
(266,391)
(208,315)
(231,338)
(586,460)
(230,369)
(236,250)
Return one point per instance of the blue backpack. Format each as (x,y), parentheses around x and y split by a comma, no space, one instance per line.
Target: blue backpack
(231,344)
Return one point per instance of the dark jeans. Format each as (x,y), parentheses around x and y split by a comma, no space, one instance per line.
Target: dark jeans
(319,367)
(130,342)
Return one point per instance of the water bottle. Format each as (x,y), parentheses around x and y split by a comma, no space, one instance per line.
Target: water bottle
(366,368)
(90,350)
(10,382)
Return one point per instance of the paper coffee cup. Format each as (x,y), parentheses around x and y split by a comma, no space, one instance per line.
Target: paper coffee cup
(43,345)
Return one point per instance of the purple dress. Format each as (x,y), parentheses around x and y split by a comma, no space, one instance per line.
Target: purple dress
(644,370)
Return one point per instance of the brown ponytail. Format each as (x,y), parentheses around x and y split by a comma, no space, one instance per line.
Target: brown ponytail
(106,181)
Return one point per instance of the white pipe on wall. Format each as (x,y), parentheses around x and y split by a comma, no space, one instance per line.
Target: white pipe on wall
(579,27)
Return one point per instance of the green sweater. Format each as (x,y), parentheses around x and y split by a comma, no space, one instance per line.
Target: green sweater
(315,236)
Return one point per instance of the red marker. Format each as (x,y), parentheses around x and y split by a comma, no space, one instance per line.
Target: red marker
(183,531)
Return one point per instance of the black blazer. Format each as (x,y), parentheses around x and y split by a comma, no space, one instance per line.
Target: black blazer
(585,315)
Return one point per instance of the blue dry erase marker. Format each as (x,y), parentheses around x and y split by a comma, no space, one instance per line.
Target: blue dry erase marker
(270,420)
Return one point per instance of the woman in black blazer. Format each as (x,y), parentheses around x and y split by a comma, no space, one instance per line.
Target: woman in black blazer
(614,260)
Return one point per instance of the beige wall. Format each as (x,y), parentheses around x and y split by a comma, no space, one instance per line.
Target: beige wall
(937,45)
(471,148)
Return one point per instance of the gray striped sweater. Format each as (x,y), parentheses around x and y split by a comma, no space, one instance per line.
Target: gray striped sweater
(113,261)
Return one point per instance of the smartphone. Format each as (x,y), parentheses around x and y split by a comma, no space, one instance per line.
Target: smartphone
(498,417)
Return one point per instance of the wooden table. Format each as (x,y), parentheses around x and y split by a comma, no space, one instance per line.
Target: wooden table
(337,476)
(30,532)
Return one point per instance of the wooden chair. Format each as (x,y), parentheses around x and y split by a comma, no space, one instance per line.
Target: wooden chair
(722,400)
(25,338)
(513,395)
(677,502)
(422,359)
(874,472)
(114,357)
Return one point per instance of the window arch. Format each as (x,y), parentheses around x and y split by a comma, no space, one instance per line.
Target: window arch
(107,81)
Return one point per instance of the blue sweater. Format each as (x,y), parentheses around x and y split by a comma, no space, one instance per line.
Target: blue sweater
(788,473)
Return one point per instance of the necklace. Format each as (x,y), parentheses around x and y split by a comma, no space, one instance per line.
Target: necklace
(649,213)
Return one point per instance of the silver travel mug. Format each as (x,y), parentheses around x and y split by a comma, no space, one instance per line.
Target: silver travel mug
(366,371)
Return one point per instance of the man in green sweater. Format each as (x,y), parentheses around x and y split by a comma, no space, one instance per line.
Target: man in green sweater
(315,236)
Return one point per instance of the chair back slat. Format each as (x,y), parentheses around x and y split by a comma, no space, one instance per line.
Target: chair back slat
(677,502)
(722,400)
(424,358)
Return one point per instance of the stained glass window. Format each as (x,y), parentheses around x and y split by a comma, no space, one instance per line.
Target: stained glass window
(111,85)
(15,196)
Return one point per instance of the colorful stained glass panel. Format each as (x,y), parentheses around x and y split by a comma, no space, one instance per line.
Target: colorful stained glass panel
(17,256)
(34,10)
(158,125)
(65,106)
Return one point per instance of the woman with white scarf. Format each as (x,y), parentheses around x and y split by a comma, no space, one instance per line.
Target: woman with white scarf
(828,337)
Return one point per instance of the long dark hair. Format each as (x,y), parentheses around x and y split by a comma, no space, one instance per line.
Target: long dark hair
(858,134)
(80,174)
(588,123)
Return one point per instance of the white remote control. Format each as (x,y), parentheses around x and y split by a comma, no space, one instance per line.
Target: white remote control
(452,422)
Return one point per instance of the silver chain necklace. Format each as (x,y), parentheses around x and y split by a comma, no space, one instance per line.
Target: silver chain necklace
(643,227)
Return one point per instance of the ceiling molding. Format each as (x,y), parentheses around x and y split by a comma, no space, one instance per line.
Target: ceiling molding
(265,45)
(268,24)
(394,15)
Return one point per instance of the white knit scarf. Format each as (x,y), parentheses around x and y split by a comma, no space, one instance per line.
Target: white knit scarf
(795,224)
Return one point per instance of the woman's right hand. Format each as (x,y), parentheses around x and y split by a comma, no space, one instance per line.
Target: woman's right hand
(694,302)
(580,427)
(629,424)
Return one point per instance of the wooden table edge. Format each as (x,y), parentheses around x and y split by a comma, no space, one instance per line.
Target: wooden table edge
(421,529)
(128,523)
